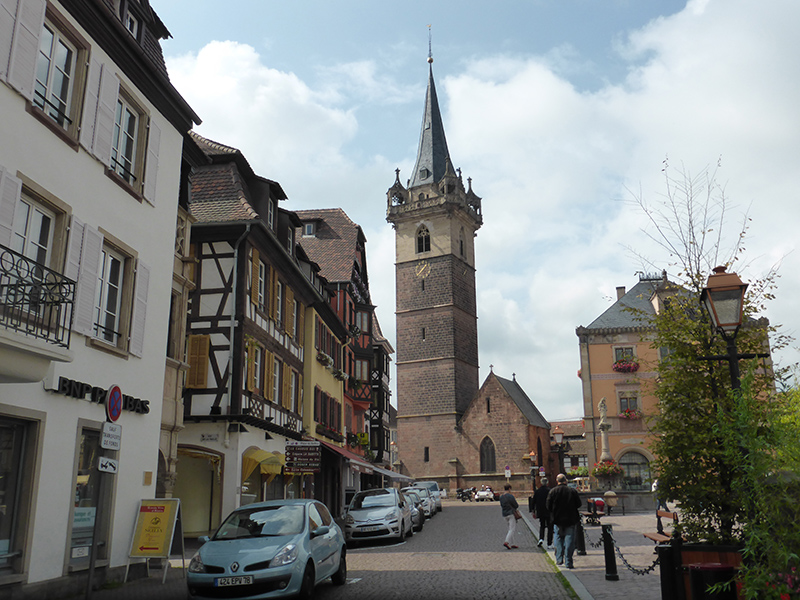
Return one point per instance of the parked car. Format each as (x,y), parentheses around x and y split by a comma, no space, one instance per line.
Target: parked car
(417,514)
(433,488)
(485,493)
(273,549)
(428,503)
(377,514)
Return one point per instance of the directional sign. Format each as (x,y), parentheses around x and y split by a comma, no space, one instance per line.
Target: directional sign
(111,438)
(302,457)
(107,465)
(155,527)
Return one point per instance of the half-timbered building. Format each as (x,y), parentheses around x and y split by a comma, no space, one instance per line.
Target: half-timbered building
(90,168)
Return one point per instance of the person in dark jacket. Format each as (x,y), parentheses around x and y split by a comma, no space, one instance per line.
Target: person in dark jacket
(563,502)
(540,512)
(509,506)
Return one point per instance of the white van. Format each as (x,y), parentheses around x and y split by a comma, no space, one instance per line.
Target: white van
(435,492)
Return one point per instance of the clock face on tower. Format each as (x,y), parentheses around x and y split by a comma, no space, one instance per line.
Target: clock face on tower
(423,269)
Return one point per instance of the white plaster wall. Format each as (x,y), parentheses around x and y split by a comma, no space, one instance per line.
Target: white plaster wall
(78,179)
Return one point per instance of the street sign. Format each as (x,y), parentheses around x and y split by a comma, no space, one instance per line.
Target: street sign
(302,457)
(541,471)
(107,465)
(508,472)
(113,403)
(111,438)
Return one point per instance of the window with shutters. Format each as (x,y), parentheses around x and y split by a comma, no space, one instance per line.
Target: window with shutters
(259,282)
(276,381)
(279,304)
(107,321)
(127,140)
(60,75)
(198,347)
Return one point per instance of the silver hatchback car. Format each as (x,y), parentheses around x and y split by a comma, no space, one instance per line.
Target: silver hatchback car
(378,514)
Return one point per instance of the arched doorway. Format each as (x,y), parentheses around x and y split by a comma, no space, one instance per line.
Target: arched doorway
(636,469)
(199,487)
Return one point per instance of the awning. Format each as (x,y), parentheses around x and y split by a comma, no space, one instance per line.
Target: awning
(270,463)
(392,474)
(357,463)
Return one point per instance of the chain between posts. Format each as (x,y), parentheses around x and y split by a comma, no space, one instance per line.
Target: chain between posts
(630,567)
(598,544)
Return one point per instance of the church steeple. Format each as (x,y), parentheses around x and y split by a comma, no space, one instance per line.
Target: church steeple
(432,155)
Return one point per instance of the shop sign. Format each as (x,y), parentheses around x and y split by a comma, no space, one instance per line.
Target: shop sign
(98,395)
(302,457)
(155,528)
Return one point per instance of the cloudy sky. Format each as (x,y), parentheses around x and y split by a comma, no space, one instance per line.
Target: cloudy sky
(558,110)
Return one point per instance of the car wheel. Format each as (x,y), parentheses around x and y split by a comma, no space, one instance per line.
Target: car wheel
(340,577)
(410,529)
(421,523)
(307,586)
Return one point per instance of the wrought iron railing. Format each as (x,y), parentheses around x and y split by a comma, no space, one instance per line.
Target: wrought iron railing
(35,300)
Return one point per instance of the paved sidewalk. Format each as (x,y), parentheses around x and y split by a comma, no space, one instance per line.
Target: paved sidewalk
(588,578)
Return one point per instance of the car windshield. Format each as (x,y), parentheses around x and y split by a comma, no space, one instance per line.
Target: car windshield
(423,492)
(372,498)
(262,521)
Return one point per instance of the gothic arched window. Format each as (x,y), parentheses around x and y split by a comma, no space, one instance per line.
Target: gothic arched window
(637,470)
(461,242)
(487,456)
(423,240)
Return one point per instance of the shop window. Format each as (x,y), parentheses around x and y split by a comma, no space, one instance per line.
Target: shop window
(17,443)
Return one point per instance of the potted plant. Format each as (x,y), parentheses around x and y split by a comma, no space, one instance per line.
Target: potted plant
(631,413)
(625,365)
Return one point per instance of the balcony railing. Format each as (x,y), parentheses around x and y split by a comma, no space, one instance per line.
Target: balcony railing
(34,300)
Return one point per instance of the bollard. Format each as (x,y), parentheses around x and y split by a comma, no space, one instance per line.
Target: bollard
(608,551)
(580,539)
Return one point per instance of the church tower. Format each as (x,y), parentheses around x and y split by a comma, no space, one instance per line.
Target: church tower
(435,220)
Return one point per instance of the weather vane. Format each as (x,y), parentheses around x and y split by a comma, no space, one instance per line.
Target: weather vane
(430,51)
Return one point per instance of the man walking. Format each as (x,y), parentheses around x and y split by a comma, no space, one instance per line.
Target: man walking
(563,502)
(509,506)
(540,512)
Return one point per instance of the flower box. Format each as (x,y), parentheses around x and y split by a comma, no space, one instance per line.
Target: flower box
(625,366)
(607,468)
(631,413)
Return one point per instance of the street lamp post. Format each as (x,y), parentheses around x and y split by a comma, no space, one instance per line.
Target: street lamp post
(558,434)
(723,298)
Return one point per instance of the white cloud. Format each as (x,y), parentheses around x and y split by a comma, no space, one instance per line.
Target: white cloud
(553,163)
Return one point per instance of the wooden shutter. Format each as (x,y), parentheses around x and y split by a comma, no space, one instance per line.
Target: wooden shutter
(139,309)
(106,109)
(197,357)
(301,324)
(25,46)
(254,277)
(151,164)
(91,252)
(299,391)
(273,288)
(90,104)
(289,318)
(286,401)
(10,190)
(250,356)
(8,16)
(269,367)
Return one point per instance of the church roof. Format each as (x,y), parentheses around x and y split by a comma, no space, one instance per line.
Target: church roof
(525,405)
(333,246)
(432,155)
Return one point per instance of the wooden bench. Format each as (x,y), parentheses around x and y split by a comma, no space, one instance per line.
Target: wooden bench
(593,517)
(659,537)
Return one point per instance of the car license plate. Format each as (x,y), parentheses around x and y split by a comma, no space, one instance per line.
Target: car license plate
(235,580)
(372,528)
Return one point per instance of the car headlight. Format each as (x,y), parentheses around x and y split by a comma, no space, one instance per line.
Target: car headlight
(196,564)
(349,519)
(286,555)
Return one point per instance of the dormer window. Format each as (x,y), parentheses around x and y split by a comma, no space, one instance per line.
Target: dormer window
(424,173)
(309,229)
(289,239)
(271,214)
(132,25)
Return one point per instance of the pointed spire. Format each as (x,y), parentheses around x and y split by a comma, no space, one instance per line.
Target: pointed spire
(433,155)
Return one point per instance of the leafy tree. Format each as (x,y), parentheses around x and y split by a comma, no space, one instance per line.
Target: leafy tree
(696,465)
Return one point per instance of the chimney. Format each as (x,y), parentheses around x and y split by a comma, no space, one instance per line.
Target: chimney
(620,292)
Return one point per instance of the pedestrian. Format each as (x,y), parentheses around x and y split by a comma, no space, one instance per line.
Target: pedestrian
(660,500)
(563,502)
(540,512)
(509,505)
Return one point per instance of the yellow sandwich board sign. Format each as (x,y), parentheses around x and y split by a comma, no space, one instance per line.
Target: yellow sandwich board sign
(155,526)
